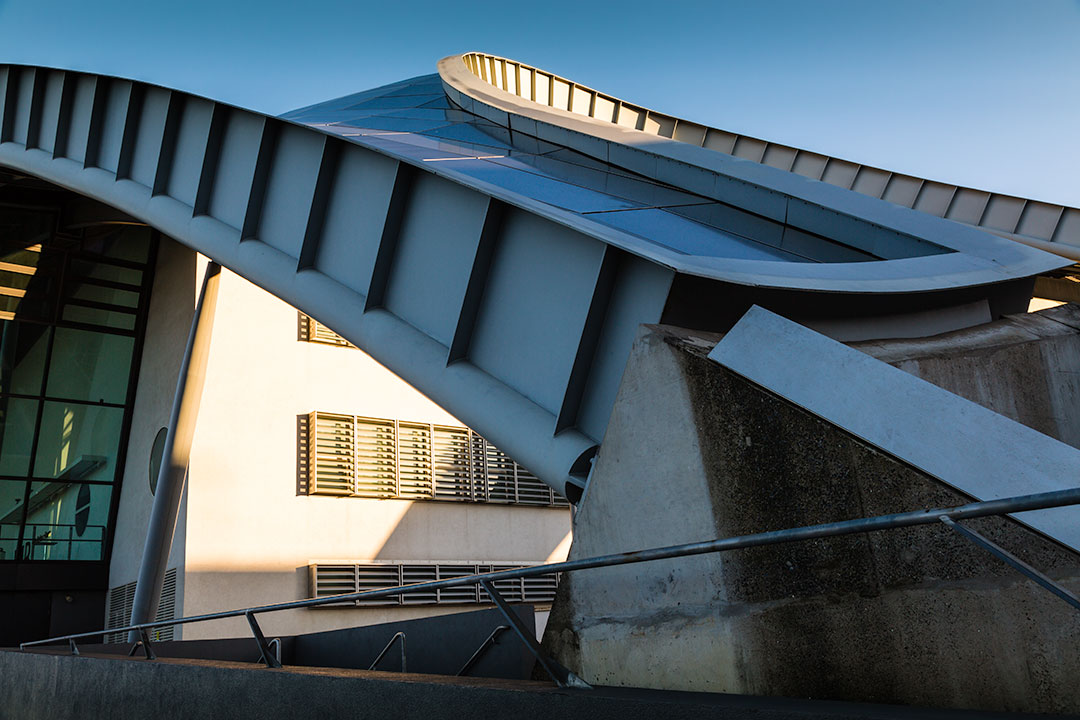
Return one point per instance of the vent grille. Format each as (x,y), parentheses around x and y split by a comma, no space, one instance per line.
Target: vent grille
(311,330)
(121,599)
(329,580)
(380,458)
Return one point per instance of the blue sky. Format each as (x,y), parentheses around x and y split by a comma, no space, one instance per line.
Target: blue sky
(978,92)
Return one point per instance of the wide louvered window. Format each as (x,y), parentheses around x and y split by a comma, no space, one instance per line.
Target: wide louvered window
(311,330)
(122,598)
(330,580)
(380,458)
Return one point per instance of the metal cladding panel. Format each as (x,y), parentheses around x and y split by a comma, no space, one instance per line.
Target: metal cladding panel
(147,150)
(1068,226)
(934,198)
(236,168)
(1003,213)
(638,296)
(809,164)
(355,216)
(902,190)
(967,206)
(1039,220)
(82,108)
(50,110)
(434,255)
(24,100)
(290,189)
(113,120)
(534,307)
(871,181)
(187,155)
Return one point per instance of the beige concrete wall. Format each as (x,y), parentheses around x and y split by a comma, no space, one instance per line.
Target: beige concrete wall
(172,305)
(250,536)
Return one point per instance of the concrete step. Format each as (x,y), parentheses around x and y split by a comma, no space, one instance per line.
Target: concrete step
(62,686)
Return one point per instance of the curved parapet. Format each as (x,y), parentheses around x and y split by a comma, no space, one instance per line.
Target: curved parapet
(505,282)
(1048,226)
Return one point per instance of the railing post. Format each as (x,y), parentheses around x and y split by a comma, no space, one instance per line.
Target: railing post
(561,675)
(491,640)
(147,649)
(264,647)
(1010,559)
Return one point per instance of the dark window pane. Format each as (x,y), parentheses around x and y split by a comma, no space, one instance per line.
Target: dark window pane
(88,365)
(78,442)
(66,521)
(124,242)
(98,316)
(17,417)
(22,357)
(11,503)
(104,271)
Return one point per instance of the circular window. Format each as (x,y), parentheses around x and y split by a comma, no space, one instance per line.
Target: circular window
(155,457)
(82,510)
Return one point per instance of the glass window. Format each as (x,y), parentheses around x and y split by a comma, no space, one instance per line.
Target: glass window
(78,442)
(124,242)
(88,365)
(11,503)
(22,357)
(105,271)
(66,521)
(17,418)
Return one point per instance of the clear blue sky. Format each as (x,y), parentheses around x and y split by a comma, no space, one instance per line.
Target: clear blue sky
(978,92)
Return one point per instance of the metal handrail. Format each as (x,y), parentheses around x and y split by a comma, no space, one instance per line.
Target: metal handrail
(387,649)
(1003,506)
(488,642)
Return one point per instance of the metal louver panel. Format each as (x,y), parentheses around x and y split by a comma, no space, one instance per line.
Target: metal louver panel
(411,574)
(382,458)
(376,458)
(311,330)
(336,579)
(499,476)
(453,463)
(121,599)
(331,453)
(414,461)
(373,577)
(463,593)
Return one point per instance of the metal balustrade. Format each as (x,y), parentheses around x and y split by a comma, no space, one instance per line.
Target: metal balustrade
(951,517)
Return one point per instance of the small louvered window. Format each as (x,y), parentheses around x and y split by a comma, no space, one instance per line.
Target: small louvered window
(311,330)
(122,598)
(380,458)
(330,580)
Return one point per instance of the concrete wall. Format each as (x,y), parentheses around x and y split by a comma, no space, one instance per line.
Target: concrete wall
(248,531)
(913,616)
(172,306)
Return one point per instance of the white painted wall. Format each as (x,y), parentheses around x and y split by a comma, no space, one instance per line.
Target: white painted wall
(247,537)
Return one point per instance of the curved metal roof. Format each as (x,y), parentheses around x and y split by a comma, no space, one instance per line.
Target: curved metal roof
(504,273)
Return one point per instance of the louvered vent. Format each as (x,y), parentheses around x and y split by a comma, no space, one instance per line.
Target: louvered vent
(380,458)
(330,580)
(311,330)
(122,598)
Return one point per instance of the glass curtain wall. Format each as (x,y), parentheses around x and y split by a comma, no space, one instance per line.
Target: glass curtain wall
(72,303)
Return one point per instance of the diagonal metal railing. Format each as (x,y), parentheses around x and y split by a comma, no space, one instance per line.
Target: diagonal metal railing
(950,516)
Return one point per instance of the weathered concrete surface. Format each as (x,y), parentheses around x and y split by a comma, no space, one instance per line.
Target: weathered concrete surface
(915,616)
(63,687)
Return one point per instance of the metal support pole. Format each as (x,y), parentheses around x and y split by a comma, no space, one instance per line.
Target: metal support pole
(264,647)
(147,649)
(562,676)
(1006,556)
(73,646)
(174,459)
